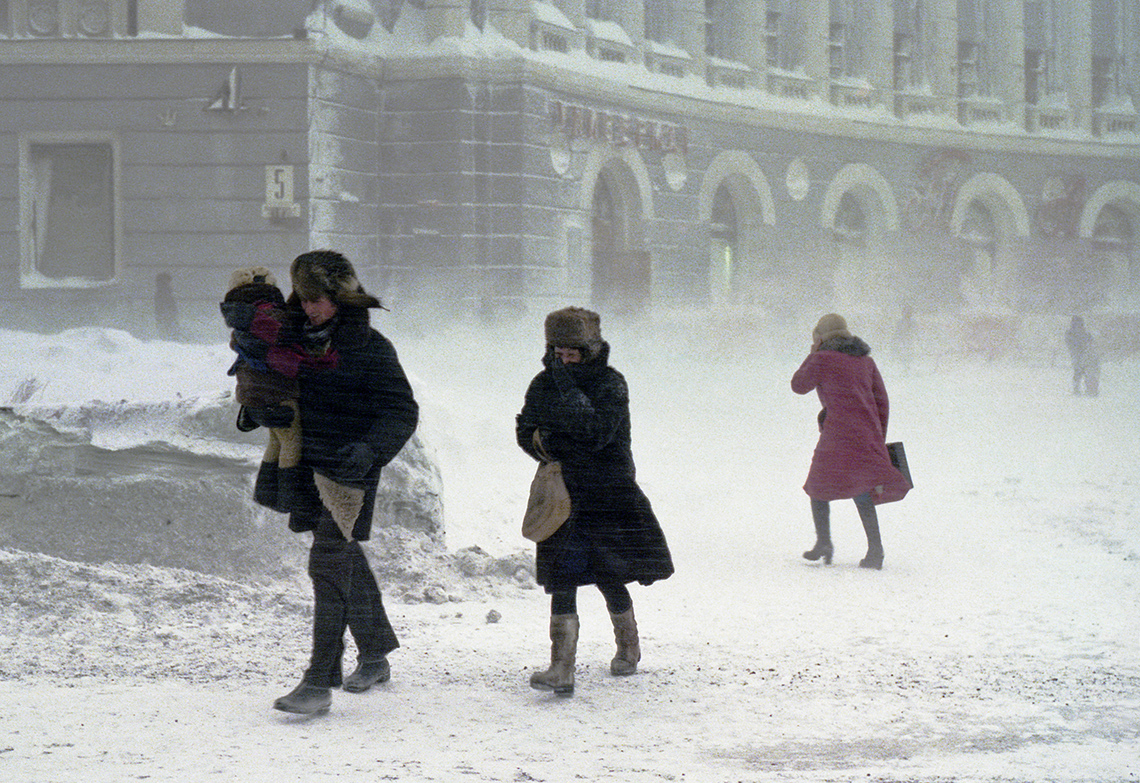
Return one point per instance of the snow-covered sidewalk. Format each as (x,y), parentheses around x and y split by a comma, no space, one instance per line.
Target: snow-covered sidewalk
(1001,642)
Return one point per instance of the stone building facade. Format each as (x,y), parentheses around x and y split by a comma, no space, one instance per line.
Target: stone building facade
(505,156)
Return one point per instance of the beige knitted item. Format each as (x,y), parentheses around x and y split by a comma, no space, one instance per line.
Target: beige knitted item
(344,503)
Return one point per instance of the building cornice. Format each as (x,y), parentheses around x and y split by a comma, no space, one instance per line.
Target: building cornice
(811,119)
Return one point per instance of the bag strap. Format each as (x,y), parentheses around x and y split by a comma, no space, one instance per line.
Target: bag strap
(539,448)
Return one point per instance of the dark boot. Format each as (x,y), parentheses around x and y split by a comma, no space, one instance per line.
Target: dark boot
(628,644)
(563,650)
(367,674)
(266,486)
(821,518)
(870,519)
(288,481)
(305,699)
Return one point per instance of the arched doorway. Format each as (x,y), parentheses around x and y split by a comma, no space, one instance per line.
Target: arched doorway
(980,285)
(858,212)
(1114,250)
(855,283)
(990,218)
(621,264)
(724,249)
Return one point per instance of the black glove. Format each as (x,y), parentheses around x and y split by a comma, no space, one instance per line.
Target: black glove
(245,422)
(355,460)
(559,371)
(275,416)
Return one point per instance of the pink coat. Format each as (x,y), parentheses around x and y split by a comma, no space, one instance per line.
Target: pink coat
(851,455)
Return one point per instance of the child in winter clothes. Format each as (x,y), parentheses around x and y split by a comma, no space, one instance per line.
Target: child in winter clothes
(266,368)
(254,309)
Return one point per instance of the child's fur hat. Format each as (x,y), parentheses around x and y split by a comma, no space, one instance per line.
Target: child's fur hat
(253,283)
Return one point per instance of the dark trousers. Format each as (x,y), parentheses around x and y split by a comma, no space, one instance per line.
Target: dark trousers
(345,596)
(617,598)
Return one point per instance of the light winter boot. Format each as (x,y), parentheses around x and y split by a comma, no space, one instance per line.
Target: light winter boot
(563,648)
(628,644)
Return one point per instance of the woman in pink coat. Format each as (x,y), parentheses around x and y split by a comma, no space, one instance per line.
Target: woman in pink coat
(851,459)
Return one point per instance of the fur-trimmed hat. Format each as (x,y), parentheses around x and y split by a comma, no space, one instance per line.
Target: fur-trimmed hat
(575,327)
(831,325)
(328,273)
(253,283)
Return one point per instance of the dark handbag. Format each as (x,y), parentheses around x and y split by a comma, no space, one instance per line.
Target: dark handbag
(898,458)
(549,503)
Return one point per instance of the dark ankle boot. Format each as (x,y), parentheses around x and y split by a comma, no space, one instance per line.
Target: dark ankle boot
(367,674)
(265,486)
(822,549)
(305,699)
(874,558)
(870,519)
(821,519)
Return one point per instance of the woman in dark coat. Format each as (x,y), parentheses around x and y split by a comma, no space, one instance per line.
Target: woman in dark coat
(579,408)
(357,412)
(850,459)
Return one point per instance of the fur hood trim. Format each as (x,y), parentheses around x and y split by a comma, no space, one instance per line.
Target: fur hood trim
(852,346)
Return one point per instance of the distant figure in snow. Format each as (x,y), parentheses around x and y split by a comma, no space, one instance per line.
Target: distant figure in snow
(904,338)
(166,309)
(1086,358)
(357,411)
(577,411)
(850,459)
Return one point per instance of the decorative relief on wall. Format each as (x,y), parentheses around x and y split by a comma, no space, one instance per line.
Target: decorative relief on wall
(94,19)
(1062,200)
(931,202)
(43,18)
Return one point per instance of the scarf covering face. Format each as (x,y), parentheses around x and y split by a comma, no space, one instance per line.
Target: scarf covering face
(315,351)
(317,340)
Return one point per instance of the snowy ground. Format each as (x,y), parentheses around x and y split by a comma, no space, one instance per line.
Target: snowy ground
(1001,642)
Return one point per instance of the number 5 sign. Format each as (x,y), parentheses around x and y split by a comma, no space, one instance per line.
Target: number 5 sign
(279,201)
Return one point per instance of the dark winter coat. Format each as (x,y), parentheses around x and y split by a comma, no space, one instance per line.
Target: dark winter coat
(851,455)
(612,535)
(363,400)
(1082,347)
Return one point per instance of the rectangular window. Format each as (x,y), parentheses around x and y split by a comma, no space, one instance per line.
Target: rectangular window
(68,213)
(836,49)
(1035,88)
(772,33)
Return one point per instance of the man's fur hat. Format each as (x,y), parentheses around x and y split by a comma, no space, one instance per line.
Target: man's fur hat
(575,327)
(328,273)
(253,284)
